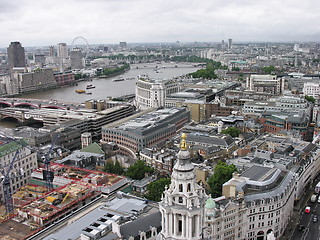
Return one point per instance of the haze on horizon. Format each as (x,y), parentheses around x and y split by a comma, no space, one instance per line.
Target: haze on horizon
(43,23)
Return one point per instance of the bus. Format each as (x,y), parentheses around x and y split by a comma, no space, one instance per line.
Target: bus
(317,188)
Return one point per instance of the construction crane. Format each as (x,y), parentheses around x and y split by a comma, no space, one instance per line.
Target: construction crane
(7,176)
(47,173)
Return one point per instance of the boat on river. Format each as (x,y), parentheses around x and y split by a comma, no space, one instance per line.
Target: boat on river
(118,79)
(90,86)
(80,91)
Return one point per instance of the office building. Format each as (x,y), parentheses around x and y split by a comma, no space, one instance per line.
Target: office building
(152,93)
(162,161)
(62,51)
(51,51)
(40,79)
(64,78)
(265,83)
(311,89)
(23,165)
(148,130)
(123,45)
(77,58)
(283,103)
(229,43)
(293,121)
(256,203)
(16,55)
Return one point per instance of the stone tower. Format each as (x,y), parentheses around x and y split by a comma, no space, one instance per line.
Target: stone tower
(86,139)
(182,205)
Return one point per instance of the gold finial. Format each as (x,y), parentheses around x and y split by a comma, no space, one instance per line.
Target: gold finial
(183,143)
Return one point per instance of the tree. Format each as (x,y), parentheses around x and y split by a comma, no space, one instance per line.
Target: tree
(222,173)
(269,70)
(113,168)
(232,131)
(310,99)
(138,170)
(155,189)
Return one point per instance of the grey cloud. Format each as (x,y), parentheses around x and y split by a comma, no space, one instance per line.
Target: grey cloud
(51,21)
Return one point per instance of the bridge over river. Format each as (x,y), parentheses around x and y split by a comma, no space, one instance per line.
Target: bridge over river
(20,108)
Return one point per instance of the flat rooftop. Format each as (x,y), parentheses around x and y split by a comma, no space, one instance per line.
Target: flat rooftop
(258,173)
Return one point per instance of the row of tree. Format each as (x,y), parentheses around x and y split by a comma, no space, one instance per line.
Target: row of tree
(209,71)
(137,171)
(222,173)
(114,71)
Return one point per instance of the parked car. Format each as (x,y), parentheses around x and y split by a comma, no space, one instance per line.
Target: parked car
(307,210)
(301,227)
(315,218)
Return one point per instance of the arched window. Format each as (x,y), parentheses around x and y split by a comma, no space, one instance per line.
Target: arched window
(189,187)
(260,235)
(180,188)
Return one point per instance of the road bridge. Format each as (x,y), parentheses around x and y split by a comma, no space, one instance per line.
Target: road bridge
(18,108)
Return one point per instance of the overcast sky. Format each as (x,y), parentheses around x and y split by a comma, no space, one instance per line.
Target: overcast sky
(48,22)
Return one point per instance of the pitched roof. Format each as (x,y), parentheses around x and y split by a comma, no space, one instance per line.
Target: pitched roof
(93,148)
(141,224)
(13,146)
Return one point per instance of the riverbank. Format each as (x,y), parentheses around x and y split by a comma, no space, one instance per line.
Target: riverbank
(105,87)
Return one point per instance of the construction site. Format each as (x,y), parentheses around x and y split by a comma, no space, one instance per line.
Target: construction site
(36,207)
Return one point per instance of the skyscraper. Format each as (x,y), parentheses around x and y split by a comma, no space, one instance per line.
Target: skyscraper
(51,51)
(77,58)
(229,43)
(16,55)
(123,45)
(62,51)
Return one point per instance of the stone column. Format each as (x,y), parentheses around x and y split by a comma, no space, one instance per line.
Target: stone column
(170,224)
(183,226)
(167,224)
(197,230)
(175,225)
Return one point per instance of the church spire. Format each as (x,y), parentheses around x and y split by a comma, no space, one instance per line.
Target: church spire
(182,205)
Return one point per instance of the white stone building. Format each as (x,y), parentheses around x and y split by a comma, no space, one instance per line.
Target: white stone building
(256,204)
(152,93)
(23,166)
(265,83)
(182,206)
(311,89)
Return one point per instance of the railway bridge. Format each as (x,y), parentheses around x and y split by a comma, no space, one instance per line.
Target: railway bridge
(18,108)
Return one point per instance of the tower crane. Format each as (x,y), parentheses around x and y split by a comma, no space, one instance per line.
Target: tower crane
(47,173)
(7,176)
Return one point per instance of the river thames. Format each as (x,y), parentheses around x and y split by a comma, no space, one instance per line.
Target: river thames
(106,87)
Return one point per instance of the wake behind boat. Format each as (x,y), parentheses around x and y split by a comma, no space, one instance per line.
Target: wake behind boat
(118,79)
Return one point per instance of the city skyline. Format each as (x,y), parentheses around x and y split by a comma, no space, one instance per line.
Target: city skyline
(48,23)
